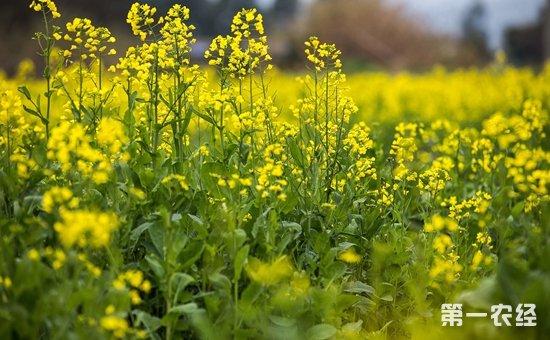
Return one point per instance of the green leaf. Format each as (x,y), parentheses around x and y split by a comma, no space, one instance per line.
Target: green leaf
(290,203)
(239,237)
(335,270)
(251,293)
(240,261)
(210,174)
(178,241)
(136,233)
(196,219)
(204,326)
(387,297)
(292,227)
(156,266)
(321,332)
(481,296)
(187,308)
(358,287)
(191,253)
(25,91)
(187,119)
(295,152)
(156,233)
(151,323)
(353,326)
(35,113)
(281,321)
(220,281)
(205,117)
(31,202)
(39,154)
(180,281)
(517,209)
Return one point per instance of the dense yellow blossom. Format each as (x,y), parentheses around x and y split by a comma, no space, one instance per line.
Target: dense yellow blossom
(179,179)
(71,146)
(60,196)
(269,273)
(5,282)
(140,18)
(318,185)
(85,228)
(87,40)
(445,269)
(135,280)
(440,223)
(115,324)
(33,254)
(350,256)
(111,135)
(48,6)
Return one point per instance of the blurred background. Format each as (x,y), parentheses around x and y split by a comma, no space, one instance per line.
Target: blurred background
(373,34)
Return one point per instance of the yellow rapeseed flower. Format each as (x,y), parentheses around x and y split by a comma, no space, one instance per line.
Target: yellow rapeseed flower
(33,254)
(269,273)
(85,228)
(48,6)
(115,324)
(350,256)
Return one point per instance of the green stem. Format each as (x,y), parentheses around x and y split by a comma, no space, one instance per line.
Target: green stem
(220,125)
(100,87)
(47,73)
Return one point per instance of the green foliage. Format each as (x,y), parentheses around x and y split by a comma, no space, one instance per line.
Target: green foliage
(167,205)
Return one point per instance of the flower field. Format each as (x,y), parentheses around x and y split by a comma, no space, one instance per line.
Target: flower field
(156,198)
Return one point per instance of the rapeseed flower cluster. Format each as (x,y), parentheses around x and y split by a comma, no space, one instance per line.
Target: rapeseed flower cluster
(59,196)
(48,6)
(270,273)
(404,148)
(193,176)
(485,159)
(358,142)
(527,164)
(482,254)
(441,223)
(115,324)
(243,52)
(140,18)
(445,268)
(270,179)
(322,55)
(13,123)
(134,282)
(111,136)
(84,228)
(350,256)
(87,40)
(94,270)
(57,257)
(433,180)
(479,203)
(180,180)
(177,37)
(71,147)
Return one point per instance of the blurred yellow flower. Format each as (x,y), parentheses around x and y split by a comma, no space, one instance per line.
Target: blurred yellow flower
(269,273)
(349,256)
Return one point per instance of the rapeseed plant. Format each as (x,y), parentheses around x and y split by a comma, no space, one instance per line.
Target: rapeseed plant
(162,199)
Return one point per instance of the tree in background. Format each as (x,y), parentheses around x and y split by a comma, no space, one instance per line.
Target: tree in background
(474,34)
(374,31)
(211,18)
(284,10)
